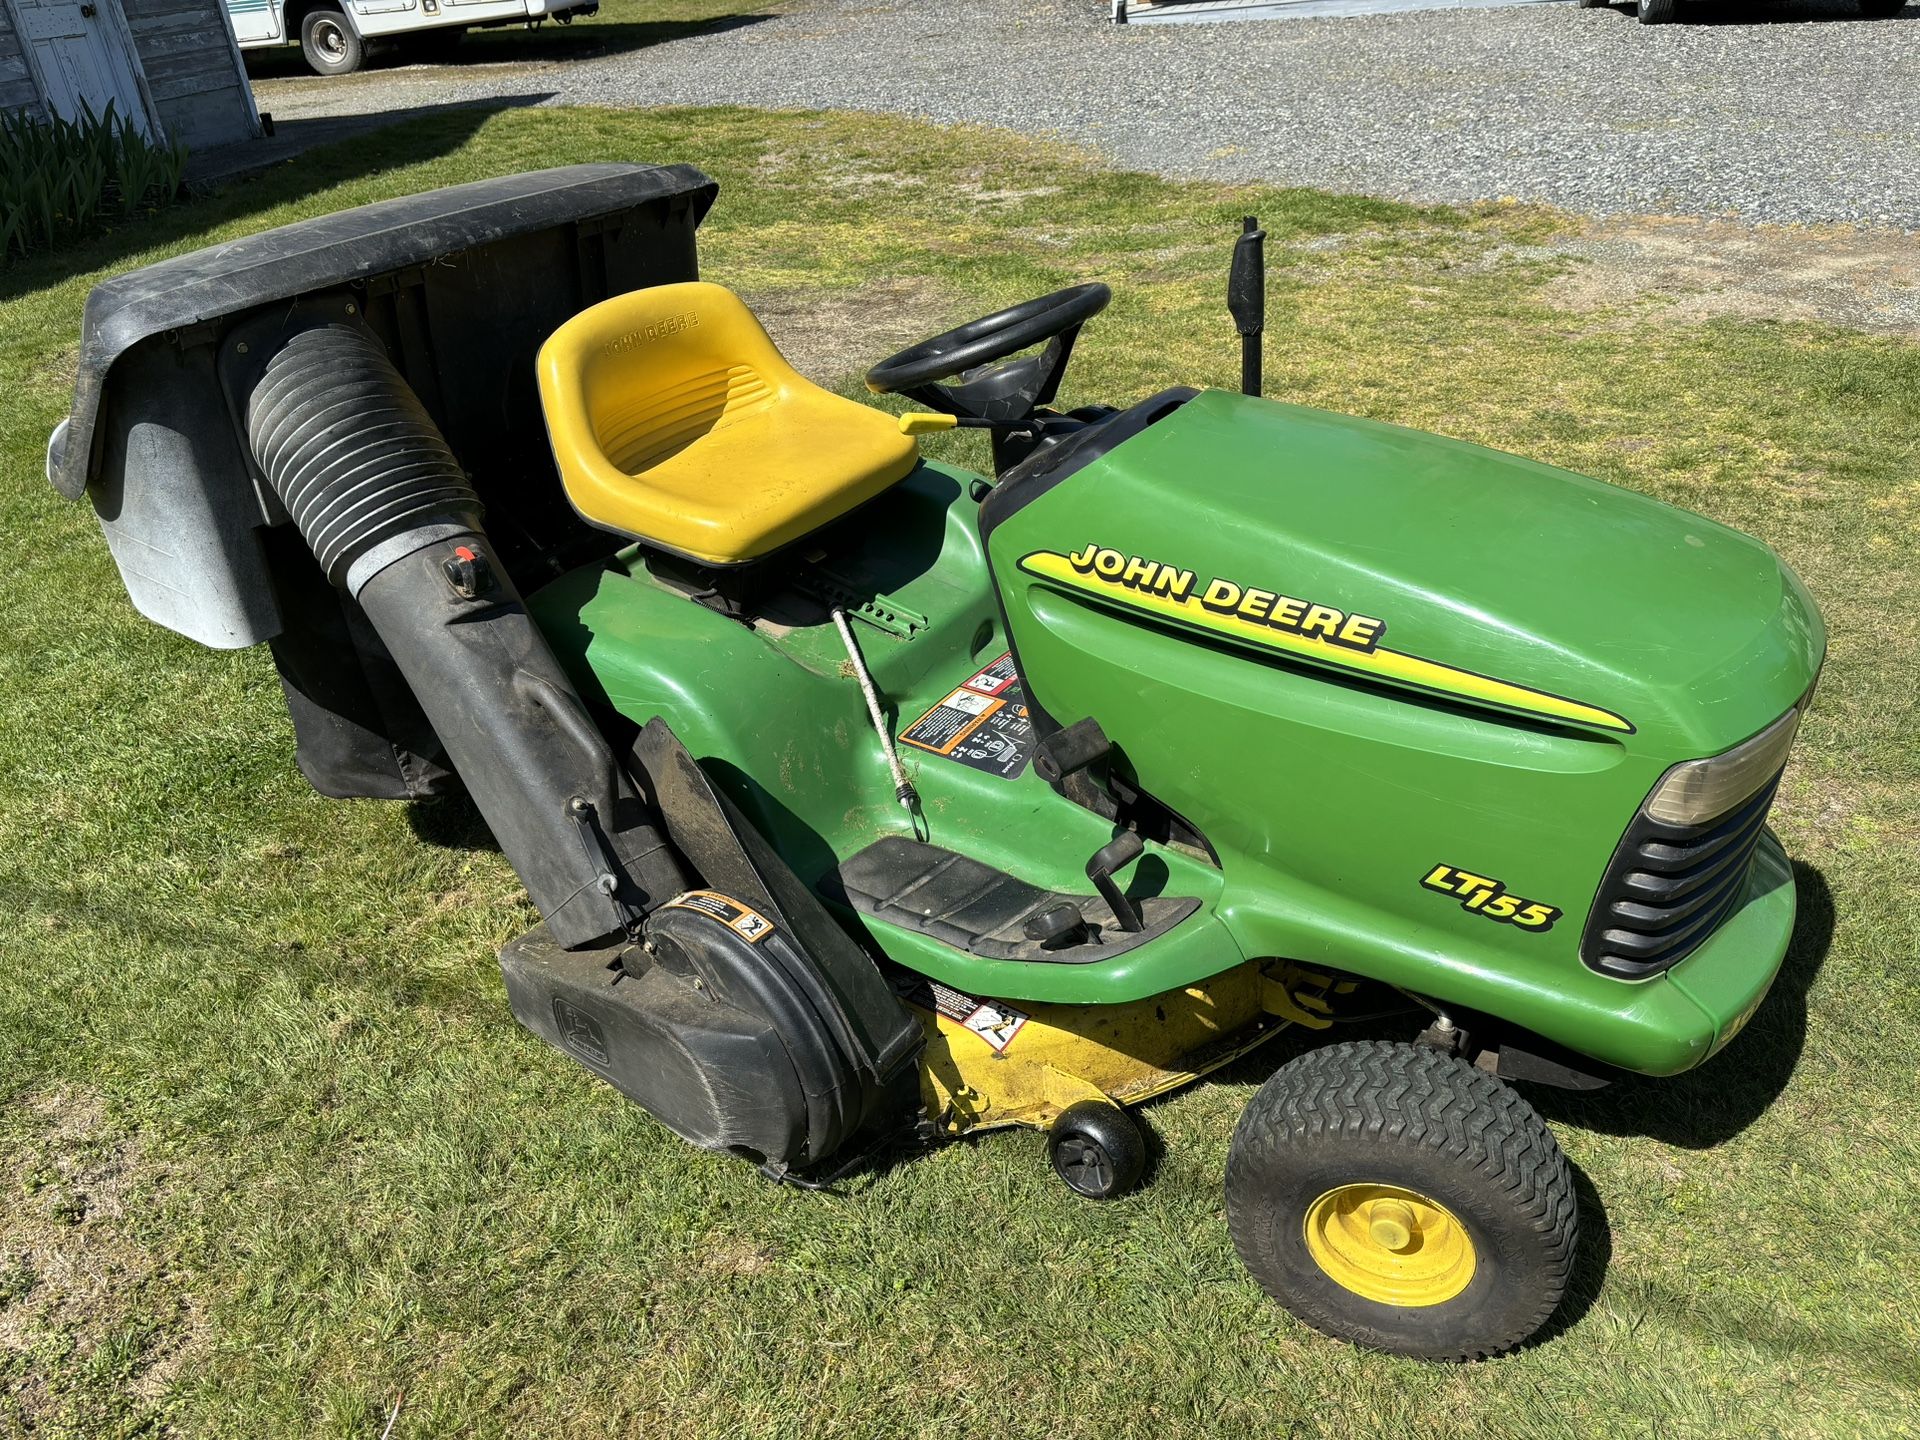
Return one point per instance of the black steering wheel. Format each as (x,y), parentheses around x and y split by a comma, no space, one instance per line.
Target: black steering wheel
(1007,392)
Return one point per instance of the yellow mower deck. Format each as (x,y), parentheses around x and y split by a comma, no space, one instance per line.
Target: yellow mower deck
(990,1063)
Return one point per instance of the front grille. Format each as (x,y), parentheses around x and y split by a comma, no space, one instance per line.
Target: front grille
(1669,886)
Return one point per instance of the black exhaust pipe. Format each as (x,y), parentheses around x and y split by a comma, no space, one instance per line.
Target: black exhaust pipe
(373,487)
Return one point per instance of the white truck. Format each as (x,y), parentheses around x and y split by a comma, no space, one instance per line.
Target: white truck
(333,35)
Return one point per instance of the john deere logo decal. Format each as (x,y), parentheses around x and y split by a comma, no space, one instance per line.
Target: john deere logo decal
(1323,634)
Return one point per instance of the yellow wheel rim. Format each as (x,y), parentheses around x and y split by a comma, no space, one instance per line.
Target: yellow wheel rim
(1389,1244)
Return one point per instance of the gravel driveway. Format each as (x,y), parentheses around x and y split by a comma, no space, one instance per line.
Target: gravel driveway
(1790,112)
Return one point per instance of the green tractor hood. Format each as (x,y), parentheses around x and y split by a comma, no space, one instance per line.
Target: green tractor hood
(1402,559)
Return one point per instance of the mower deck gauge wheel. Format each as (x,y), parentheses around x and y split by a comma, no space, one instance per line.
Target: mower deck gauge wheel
(1097,1149)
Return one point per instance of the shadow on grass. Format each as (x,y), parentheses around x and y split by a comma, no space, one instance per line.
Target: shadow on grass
(211,170)
(1708,13)
(1710,1105)
(451,822)
(508,45)
(380,143)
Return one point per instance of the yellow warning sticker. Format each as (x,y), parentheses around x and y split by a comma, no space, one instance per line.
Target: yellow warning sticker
(982,723)
(747,923)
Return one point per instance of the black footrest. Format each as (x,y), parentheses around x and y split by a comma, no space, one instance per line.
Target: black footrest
(974,907)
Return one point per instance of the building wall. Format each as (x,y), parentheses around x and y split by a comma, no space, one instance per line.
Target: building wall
(191,68)
(17,90)
(192,74)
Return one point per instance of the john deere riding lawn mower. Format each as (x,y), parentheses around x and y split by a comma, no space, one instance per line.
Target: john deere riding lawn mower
(868,801)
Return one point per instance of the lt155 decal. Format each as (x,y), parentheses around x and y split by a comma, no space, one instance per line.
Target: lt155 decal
(1483,895)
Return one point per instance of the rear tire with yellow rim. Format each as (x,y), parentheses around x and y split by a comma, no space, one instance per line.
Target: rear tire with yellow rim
(1399,1198)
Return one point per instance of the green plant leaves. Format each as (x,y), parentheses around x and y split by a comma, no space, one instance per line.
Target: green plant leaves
(61,178)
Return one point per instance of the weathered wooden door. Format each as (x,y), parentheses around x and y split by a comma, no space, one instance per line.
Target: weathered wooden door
(83,56)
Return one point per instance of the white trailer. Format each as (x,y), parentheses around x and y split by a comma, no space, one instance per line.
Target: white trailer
(333,34)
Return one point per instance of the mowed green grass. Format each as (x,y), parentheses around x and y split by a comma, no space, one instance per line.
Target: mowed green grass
(274,1157)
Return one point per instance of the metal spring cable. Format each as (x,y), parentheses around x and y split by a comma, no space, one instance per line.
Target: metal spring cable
(902,787)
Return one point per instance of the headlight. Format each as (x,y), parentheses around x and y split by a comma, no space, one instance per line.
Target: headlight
(1701,790)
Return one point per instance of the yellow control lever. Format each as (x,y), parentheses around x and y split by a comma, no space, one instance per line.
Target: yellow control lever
(925,423)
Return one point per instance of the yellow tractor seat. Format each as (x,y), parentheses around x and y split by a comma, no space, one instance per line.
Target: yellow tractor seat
(674,420)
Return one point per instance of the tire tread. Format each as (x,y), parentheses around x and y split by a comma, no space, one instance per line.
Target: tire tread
(1414,1095)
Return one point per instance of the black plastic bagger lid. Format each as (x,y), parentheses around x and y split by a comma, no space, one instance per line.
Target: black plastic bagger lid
(353,245)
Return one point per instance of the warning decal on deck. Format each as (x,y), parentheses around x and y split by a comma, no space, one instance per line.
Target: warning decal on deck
(994,1021)
(995,1024)
(747,924)
(983,724)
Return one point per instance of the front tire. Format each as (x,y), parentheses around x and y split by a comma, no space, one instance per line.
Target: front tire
(1658,12)
(1399,1198)
(330,44)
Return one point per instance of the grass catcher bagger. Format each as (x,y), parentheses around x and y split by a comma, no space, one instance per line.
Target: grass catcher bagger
(865,798)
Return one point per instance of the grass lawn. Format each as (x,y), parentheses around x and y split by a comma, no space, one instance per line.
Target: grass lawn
(273,1153)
